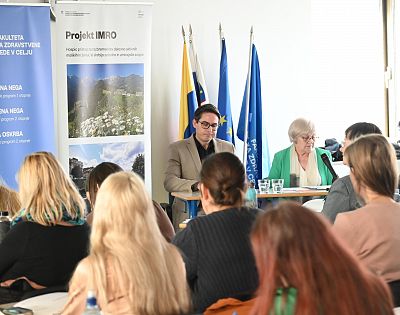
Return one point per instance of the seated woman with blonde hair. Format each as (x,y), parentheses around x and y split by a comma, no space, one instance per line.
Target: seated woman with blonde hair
(48,236)
(9,201)
(305,269)
(372,231)
(9,206)
(99,174)
(131,268)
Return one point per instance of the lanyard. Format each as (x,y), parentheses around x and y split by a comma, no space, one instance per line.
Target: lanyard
(289,306)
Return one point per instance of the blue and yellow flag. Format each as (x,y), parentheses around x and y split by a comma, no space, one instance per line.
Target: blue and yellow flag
(188,103)
(225,131)
(257,162)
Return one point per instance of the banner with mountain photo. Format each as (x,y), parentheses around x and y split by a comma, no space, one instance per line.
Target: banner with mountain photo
(105,69)
(26,92)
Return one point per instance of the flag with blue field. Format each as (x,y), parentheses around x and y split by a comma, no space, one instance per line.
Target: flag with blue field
(188,103)
(225,131)
(258,161)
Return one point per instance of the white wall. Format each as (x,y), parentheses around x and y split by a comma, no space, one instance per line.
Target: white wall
(320,59)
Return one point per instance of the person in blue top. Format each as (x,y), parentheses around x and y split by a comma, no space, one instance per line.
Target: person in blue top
(301,159)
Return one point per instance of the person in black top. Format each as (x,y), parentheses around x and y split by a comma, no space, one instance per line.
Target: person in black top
(185,156)
(216,247)
(48,236)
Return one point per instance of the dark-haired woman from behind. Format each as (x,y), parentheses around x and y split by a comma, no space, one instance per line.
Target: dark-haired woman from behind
(304,269)
(216,247)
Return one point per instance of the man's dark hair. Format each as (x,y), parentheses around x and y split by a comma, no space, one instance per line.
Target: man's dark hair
(360,129)
(206,108)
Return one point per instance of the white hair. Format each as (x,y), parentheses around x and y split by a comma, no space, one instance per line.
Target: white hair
(300,126)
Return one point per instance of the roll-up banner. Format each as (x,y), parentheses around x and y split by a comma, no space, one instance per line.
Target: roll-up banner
(103,63)
(26,101)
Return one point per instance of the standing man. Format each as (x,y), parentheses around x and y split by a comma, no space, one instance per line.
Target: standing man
(185,156)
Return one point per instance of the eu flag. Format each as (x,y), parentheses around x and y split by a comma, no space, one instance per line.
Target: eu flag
(188,102)
(225,131)
(256,147)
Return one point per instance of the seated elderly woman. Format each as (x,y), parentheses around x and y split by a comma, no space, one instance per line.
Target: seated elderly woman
(305,269)
(301,159)
(48,236)
(131,267)
(372,231)
(97,177)
(216,247)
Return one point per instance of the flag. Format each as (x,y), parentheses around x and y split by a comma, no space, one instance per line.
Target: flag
(256,165)
(188,102)
(198,77)
(225,131)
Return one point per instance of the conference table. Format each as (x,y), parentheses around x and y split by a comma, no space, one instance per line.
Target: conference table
(191,198)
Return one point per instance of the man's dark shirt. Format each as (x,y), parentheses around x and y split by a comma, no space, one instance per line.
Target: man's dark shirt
(203,153)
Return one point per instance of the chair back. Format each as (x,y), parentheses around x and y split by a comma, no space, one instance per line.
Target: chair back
(395,289)
(164,223)
(4,228)
(314,204)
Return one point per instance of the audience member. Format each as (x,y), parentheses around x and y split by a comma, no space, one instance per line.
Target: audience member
(185,156)
(301,159)
(131,267)
(9,201)
(304,269)
(372,231)
(96,178)
(48,236)
(341,197)
(216,247)
(9,206)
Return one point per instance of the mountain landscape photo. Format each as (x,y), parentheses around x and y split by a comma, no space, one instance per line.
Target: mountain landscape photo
(105,100)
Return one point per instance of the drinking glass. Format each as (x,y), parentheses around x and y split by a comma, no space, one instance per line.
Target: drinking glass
(277,186)
(263,185)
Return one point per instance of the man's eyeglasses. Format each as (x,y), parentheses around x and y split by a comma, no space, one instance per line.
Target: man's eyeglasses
(206,125)
(311,138)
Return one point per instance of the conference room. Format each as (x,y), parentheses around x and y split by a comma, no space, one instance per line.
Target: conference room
(110,81)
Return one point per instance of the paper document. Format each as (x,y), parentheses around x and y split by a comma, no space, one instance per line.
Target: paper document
(47,304)
(292,189)
(323,187)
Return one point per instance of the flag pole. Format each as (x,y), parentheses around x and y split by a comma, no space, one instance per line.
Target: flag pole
(183,34)
(246,121)
(192,49)
(221,37)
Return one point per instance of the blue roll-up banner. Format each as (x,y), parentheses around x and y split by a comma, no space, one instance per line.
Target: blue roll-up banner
(26,100)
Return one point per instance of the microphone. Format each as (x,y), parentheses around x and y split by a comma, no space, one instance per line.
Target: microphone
(328,164)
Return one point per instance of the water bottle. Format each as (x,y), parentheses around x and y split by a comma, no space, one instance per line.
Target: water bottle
(251,196)
(91,305)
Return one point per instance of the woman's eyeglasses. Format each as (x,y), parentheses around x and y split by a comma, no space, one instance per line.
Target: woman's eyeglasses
(307,139)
